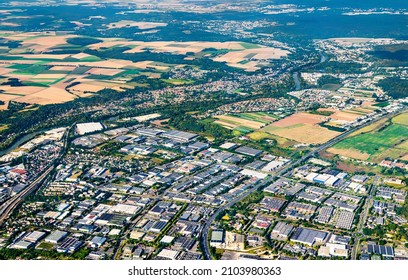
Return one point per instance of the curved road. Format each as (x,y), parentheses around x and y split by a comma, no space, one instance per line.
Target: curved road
(204,238)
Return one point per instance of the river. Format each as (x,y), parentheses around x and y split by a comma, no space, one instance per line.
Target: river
(297,81)
(323,58)
(21,141)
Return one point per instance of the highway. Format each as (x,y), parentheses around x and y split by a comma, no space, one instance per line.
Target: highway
(204,238)
(7,207)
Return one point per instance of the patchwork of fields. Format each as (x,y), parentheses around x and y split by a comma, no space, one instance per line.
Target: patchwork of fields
(52,67)
(245,122)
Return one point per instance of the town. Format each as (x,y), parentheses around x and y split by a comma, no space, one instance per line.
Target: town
(146,192)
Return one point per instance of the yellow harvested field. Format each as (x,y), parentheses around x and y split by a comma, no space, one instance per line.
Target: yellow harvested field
(103,71)
(344,116)
(112,63)
(6,70)
(45,41)
(250,66)
(49,76)
(86,88)
(226,125)
(20,90)
(63,68)
(45,56)
(303,133)
(240,122)
(47,96)
(350,153)
(258,54)
(401,119)
(299,118)
(80,55)
(7,97)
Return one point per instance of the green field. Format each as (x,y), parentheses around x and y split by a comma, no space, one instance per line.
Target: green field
(261,117)
(387,141)
(249,46)
(243,129)
(29,69)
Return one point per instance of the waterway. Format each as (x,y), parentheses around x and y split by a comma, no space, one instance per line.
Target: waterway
(20,141)
(297,81)
(323,58)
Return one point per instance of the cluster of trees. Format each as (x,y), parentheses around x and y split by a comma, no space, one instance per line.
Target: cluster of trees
(278,90)
(328,79)
(187,122)
(32,254)
(11,44)
(395,87)
(338,67)
(403,211)
(13,82)
(83,41)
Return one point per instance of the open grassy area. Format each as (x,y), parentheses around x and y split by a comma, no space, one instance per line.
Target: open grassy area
(384,140)
(249,46)
(178,81)
(259,135)
(46,246)
(262,117)
(401,119)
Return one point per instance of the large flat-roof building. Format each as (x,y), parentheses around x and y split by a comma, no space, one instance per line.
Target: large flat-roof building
(386,251)
(34,236)
(249,151)
(282,231)
(56,236)
(309,236)
(84,128)
(272,204)
(345,219)
(181,136)
(69,245)
(217,238)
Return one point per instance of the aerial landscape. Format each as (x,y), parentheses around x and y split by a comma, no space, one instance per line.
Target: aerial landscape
(203,130)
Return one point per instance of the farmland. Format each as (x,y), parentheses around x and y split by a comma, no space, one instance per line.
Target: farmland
(384,140)
(302,128)
(49,67)
(245,122)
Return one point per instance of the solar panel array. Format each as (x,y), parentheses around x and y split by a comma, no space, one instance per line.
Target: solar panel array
(380,250)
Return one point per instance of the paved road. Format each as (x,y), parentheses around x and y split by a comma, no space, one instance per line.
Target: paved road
(364,214)
(204,238)
(7,207)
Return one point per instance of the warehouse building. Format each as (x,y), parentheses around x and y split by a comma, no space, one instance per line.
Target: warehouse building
(245,150)
(84,128)
(309,236)
(56,236)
